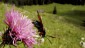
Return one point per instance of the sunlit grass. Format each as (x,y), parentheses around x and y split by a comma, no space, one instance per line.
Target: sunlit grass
(63,26)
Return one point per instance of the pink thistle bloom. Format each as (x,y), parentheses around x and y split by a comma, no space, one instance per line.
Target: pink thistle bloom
(21,28)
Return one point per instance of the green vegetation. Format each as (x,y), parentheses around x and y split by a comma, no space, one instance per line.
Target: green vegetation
(65,25)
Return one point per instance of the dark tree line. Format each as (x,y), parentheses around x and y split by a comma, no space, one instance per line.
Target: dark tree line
(28,2)
(41,2)
(74,2)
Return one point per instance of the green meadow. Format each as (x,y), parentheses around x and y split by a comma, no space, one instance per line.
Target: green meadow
(66,25)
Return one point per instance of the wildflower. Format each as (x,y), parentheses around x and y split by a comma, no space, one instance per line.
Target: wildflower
(21,28)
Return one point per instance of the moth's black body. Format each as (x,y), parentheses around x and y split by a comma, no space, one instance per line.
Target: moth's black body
(39,26)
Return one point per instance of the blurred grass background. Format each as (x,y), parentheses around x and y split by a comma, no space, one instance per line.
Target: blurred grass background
(65,25)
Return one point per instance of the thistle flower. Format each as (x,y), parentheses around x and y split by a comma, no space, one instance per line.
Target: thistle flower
(21,28)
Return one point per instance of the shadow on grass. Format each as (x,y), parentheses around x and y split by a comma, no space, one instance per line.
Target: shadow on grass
(75,13)
(75,17)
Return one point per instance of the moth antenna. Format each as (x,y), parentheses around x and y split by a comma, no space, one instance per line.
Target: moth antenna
(49,40)
(51,36)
